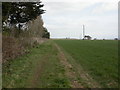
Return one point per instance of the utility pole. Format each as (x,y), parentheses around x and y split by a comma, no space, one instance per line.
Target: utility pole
(83,31)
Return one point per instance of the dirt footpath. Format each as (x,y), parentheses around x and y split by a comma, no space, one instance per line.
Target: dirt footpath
(68,67)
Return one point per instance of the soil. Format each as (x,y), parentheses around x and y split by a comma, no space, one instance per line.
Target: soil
(37,73)
(68,68)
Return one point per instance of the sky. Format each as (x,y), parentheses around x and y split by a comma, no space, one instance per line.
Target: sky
(65,18)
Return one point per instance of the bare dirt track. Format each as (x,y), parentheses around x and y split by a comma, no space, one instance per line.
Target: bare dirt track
(63,60)
(68,68)
(37,73)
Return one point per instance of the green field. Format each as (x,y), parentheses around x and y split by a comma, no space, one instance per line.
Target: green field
(65,64)
(98,57)
(40,68)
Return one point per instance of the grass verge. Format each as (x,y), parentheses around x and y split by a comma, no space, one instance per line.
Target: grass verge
(40,68)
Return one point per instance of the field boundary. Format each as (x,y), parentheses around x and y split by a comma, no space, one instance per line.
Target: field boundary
(68,68)
(82,76)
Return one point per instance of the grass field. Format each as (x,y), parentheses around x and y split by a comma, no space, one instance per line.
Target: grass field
(99,58)
(40,68)
(65,64)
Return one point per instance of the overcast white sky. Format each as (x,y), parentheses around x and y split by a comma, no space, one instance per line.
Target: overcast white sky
(64,18)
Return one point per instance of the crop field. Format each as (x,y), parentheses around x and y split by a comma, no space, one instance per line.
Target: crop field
(65,64)
(97,57)
(59,45)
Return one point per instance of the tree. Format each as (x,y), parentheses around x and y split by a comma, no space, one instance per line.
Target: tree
(87,37)
(20,12)
(46,34)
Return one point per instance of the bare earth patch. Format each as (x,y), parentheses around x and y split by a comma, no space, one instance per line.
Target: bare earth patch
(88,80)
(68,68)
(37,72)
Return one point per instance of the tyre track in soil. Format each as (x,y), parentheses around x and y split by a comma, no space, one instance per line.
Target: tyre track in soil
(69,73)
(39,67)
(33,83)
(73,75)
